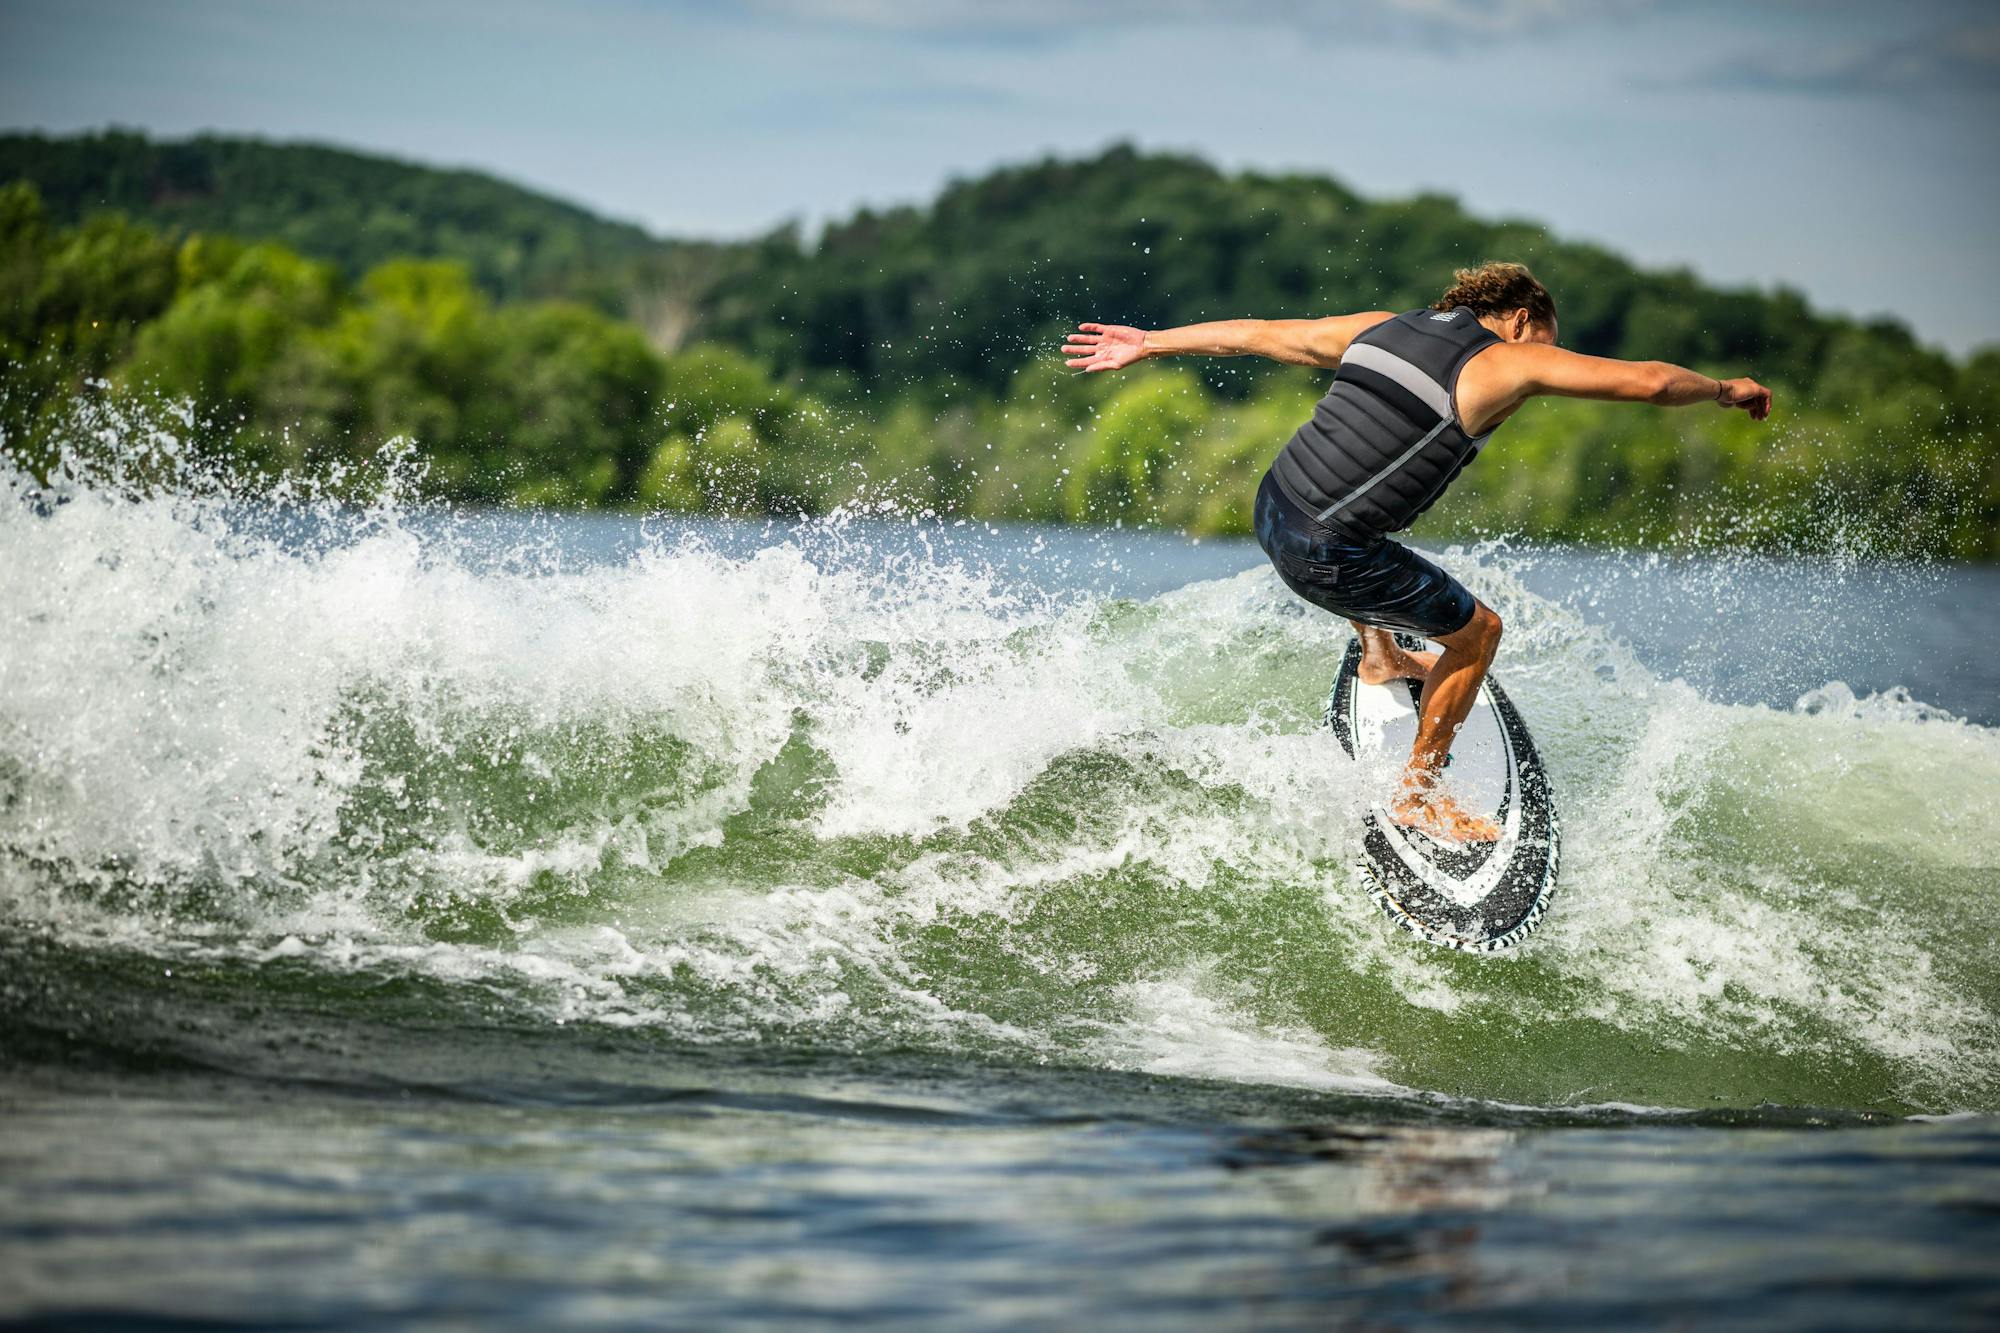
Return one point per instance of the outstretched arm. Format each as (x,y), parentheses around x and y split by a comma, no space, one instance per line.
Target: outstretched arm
(1299,342)
(1501,378)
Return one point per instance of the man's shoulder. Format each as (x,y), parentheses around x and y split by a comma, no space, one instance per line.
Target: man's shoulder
(1501,365)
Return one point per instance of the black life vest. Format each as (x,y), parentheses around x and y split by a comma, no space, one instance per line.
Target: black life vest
(1385,441)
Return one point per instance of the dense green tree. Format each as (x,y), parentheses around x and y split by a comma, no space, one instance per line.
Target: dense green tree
(239,310)
(74,299)
(1137,449)
(580,398)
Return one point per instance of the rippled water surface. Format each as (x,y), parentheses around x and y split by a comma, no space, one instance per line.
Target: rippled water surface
(488,917)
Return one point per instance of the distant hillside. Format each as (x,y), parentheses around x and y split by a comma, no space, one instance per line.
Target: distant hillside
(968,286)
(961,291)
(355,210)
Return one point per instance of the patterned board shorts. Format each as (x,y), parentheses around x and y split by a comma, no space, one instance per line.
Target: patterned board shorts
(1366,578)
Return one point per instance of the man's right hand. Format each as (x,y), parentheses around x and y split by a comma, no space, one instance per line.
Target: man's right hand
(1104,347)
(1747,394)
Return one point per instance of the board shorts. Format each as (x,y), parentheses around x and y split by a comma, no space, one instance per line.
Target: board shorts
(1361,576)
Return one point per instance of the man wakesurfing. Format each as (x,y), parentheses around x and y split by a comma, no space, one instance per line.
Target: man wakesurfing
(1415,397)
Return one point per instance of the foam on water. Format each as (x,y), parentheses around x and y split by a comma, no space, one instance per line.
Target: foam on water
(835,795)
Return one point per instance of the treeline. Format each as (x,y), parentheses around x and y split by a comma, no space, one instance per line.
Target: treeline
(943,304)
(911,352)
(292,367)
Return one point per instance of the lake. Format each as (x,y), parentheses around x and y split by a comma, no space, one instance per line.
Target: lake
(445,918)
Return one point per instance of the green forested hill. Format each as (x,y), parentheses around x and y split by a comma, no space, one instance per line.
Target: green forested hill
(970,285)
(313,303)
(963,289)
(355,210)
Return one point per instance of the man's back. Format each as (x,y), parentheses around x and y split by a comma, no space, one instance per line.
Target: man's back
(1386,440)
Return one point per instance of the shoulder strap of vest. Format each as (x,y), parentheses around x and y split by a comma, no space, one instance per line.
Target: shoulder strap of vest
(1416,356)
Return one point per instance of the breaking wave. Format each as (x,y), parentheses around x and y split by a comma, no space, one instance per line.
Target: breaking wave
(842,786)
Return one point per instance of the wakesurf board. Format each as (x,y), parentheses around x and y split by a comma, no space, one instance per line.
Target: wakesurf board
(1478,896)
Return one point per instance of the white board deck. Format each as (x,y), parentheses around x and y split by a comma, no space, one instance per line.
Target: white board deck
(1483,896)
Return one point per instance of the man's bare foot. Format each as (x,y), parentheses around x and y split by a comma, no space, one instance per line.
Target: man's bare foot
(1432,812)
(1380,666)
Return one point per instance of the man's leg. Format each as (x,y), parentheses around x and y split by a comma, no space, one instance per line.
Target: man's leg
(1384,660)
(1449,692)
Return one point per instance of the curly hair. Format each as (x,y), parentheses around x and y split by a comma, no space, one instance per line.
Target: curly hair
(1496,288)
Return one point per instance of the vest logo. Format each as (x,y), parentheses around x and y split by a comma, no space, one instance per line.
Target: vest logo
(1447,317)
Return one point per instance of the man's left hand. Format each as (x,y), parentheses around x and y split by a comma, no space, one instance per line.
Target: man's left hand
(1747,394)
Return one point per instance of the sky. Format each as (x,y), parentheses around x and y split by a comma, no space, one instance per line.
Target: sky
(1847,149)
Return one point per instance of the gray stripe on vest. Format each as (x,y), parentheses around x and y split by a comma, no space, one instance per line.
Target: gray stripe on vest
(1410,377)
(1401,459)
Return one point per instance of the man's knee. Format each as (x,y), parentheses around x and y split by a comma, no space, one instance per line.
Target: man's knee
(1481,634)
(1488,621)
